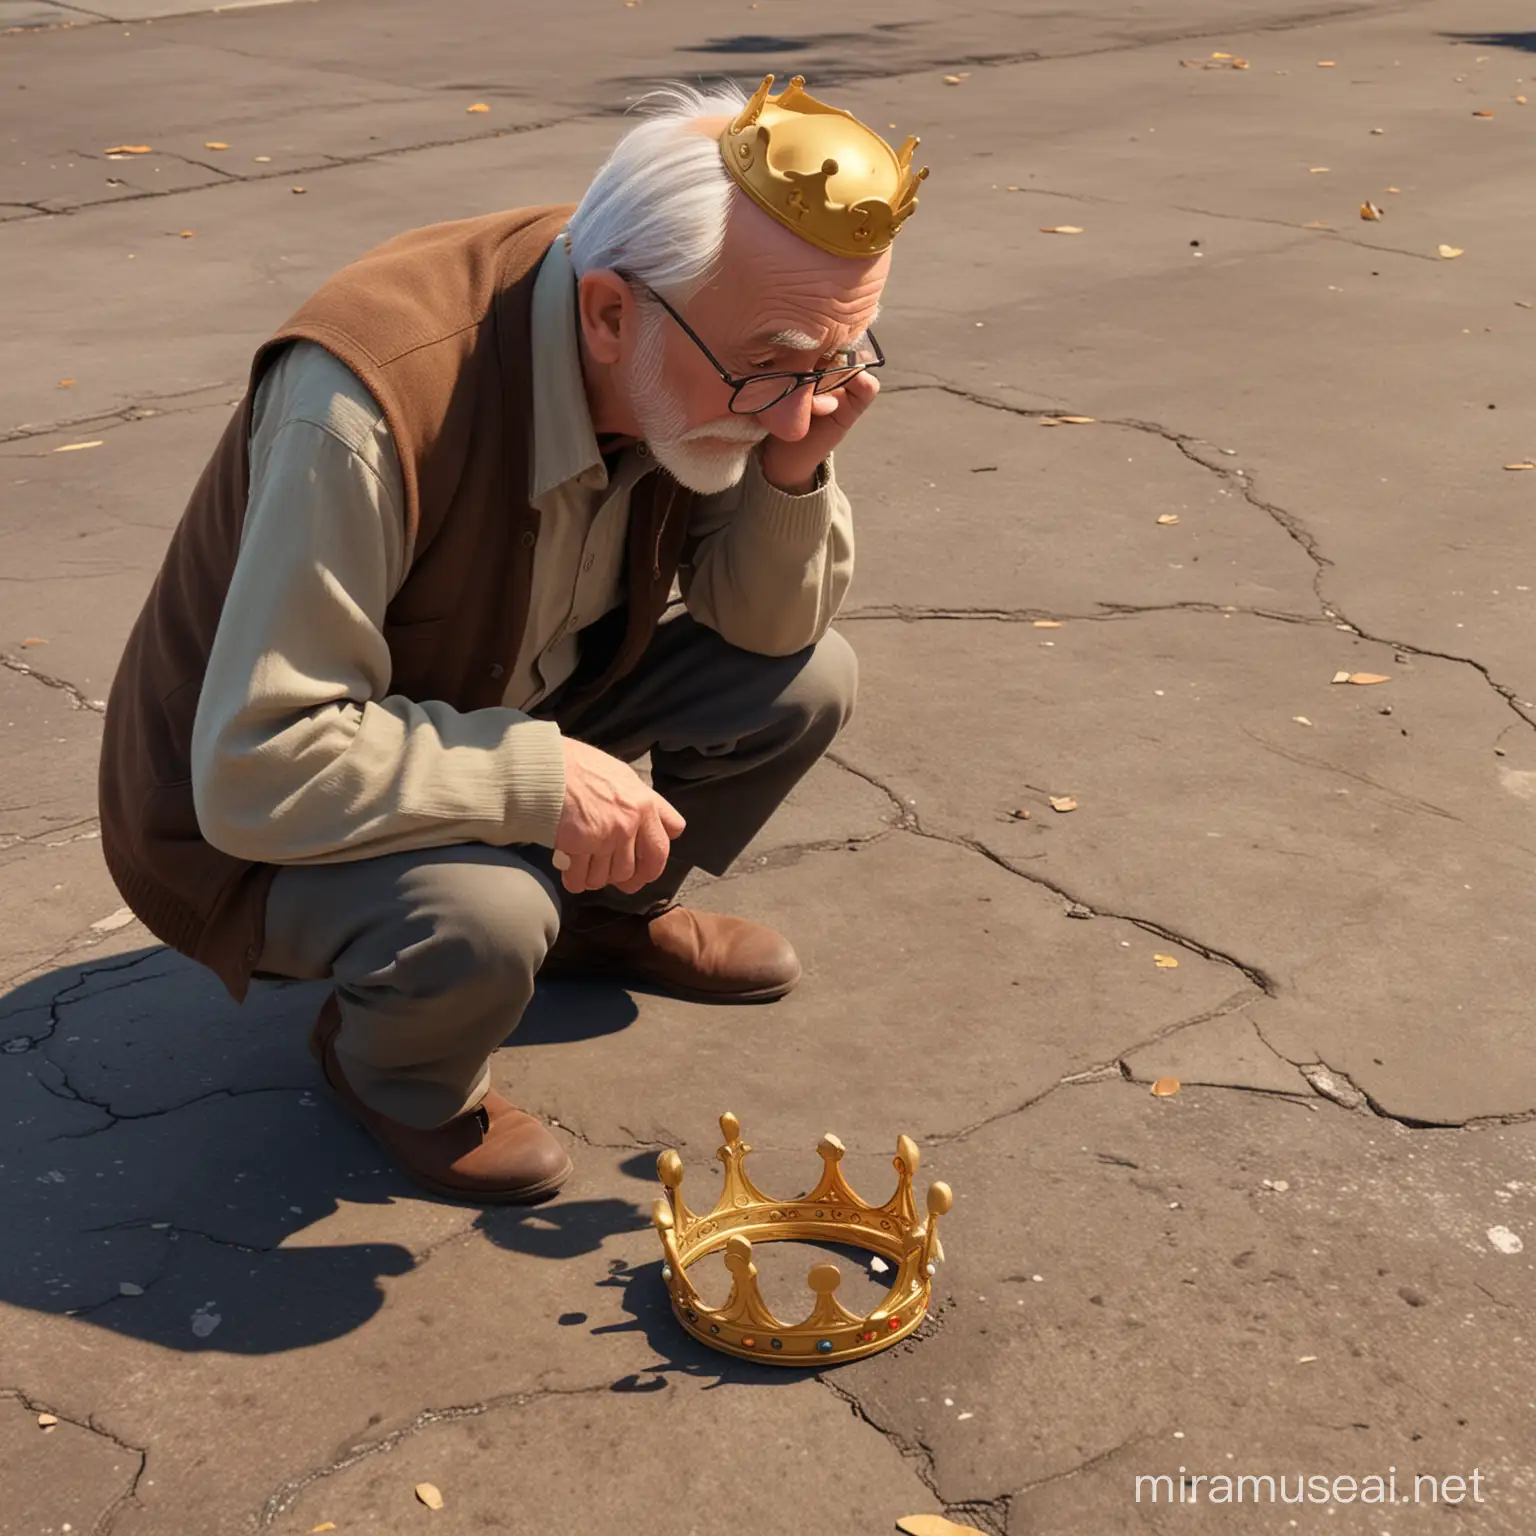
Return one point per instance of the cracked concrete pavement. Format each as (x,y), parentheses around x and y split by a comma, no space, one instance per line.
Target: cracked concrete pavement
(1315,1258)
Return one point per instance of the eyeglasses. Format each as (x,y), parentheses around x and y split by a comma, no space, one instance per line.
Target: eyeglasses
(761,391)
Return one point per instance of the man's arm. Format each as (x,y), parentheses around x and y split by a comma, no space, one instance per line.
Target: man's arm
(300,753)
(769,570)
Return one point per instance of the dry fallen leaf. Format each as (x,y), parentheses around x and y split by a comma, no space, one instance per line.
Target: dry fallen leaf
(70,383)
(479,106)
(1394,189)
(1168,519)
(1520,101)
(1319,170)
(1526,465)
(1062,803)
(1316,224)
(128,149)
(1365,679)
(262,159)
(1166,1087)
(47,1420)
(1451,252)
(186,234)
(325,1525)
(1067,421)
(957,79)
(300,189)
(1326,64)
(1369,211)
(1166,962)
(32,640)
(75,447)
(215,144)
(1482,114)
(1047,623)
(428,1494)
(933,1525)
(1060,229)
(1301,720)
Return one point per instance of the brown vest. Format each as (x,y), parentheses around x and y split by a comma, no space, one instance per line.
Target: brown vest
(437,324)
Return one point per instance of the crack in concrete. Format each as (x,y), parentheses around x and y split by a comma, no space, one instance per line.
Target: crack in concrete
(119,1117)
(76,698)
(791,853)
(106,421)
(1098,1459)
(1289,523)
(918,613)
(1326,234)
(281,1500)
(909,821)
(66,1091)
(303,168)
(173,1230)
(1338,1088)
(915,1452)
(108,1517)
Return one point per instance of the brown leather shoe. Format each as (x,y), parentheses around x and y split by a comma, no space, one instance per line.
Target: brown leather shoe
(493,1155)
(699,956)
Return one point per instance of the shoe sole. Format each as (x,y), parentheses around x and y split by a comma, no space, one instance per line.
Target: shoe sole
(533,1194)
(561,972)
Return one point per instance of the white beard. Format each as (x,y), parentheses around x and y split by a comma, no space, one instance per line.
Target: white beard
(707,459)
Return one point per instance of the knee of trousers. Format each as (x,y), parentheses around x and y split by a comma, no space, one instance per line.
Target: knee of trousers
(821,697)
(487,928)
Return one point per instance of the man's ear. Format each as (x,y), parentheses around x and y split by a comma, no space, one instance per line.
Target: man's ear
(606,305)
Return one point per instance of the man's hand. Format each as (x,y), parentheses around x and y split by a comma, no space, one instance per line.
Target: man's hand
(792,465)
(612,828)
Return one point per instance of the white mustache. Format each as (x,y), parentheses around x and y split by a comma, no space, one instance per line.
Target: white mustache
(731,431)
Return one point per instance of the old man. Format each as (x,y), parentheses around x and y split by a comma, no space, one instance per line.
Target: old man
(375,722)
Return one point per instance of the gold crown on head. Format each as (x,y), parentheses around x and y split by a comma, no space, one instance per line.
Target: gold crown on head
(819,170)
(831,1213)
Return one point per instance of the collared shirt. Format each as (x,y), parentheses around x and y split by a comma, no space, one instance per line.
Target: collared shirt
(300,752)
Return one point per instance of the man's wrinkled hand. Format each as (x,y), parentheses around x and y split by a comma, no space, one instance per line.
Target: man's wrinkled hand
(792,466)
(613,829)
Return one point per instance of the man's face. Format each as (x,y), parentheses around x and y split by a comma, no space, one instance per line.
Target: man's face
(777,304)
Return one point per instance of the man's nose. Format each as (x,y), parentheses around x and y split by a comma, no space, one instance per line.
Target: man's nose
(790,419)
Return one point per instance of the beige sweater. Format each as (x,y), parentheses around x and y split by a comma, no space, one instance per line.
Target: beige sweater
(301,754)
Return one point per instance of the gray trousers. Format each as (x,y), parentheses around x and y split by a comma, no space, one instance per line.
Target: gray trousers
(434,952)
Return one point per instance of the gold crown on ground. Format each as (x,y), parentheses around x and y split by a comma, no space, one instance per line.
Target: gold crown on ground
(819,170)
(831,1213)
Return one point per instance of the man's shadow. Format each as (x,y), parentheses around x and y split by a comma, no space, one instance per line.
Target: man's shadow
(158,1145)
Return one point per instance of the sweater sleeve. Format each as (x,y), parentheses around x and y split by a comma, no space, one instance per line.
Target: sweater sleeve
(300,752)
(766,569)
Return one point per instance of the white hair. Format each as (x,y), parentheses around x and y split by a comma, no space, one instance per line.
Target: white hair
(657,207)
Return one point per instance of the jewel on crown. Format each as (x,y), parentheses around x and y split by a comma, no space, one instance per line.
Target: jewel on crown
(832,1212)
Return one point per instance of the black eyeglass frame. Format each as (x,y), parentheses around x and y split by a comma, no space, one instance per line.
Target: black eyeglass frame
(814,377)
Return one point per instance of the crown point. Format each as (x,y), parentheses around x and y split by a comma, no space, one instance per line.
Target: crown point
(824,1279)
(730,1126)
(738,1253)
(940,1199)
(907,1153)
(831,1147)
(669,1168)
(661,1216)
